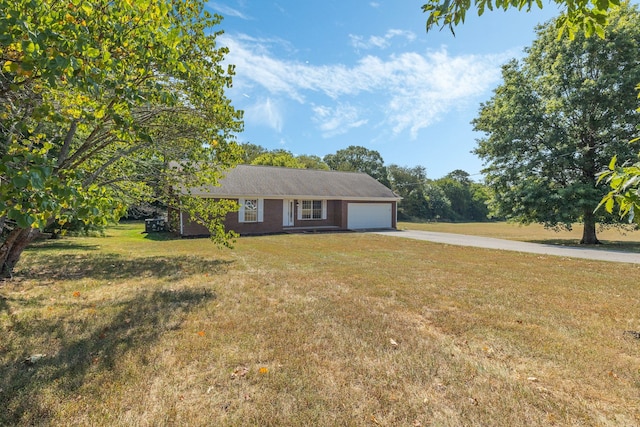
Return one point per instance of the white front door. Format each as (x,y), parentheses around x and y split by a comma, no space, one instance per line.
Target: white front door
(288,213)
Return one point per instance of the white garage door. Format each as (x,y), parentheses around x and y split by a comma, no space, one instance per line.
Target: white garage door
(369,215)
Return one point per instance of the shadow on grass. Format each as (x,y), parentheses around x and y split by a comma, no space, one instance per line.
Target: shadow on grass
(606,245)
(161,236)
(86,349)
(61,245)
(117,267)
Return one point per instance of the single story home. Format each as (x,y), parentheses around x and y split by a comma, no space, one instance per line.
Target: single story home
(276,199)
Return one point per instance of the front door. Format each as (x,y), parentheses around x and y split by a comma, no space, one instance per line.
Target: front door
(288,213)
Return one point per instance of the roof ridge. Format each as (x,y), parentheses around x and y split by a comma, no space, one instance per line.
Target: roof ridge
(298,169)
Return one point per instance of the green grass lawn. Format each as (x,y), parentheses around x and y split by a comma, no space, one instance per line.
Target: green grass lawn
(315,329)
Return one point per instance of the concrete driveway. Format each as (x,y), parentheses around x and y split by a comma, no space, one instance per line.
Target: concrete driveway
(511,245)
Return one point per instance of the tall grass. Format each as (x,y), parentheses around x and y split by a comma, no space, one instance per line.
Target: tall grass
(321,329)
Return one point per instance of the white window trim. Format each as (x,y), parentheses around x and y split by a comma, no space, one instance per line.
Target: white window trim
(324,210)
(260,210)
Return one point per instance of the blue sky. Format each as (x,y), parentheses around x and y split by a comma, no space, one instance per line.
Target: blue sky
(314,77)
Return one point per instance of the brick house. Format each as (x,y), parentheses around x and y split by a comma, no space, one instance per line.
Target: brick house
(275,200)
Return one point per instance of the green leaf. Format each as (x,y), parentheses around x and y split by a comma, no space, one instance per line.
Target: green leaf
(23,220)
(609,205)
(599,31)
(28,47)
(36,179)
(20,182)
(86,8)
(11,66)
(93,52)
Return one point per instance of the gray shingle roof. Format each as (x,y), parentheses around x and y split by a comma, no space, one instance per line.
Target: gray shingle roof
(277,182)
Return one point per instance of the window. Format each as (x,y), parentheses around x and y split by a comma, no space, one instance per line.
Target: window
(251,210)
(312,209)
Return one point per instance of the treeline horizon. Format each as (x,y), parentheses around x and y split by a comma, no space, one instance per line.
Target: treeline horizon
(454,198)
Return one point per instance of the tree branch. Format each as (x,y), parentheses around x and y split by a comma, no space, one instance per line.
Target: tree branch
(119,154)
(66,146)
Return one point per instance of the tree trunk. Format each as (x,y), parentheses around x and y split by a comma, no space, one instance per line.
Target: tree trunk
(11,249)
(589,231)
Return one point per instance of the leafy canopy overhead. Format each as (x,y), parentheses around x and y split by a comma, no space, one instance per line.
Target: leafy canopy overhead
(579,15)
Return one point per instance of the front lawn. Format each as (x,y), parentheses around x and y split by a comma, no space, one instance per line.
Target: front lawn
(315,329)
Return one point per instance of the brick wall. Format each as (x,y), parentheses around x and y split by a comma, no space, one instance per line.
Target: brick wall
(336,217)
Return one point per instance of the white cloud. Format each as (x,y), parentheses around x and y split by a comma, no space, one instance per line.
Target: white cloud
(411,90)
(428,86)
(265,113)
(254,64)
(381,42)
(225,10)
(337,120)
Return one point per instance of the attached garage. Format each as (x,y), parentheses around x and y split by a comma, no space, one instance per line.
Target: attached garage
(362,216)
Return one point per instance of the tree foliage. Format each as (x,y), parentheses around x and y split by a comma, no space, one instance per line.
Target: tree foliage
(408,183)
(311,161)
(624,181)
(251,151)
(556,121)
(454,197)
(281,158)
(588,17)
(258,155)
(466,199)
(438,204)
(95,97)
(359,159)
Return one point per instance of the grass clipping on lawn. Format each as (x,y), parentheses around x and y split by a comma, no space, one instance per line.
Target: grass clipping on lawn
(327,329)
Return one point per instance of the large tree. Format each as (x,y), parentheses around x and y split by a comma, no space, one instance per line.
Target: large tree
(97,96)
(558,119)
(359,159)
(577,16)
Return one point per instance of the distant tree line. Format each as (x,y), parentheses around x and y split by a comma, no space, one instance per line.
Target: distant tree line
(454,197)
